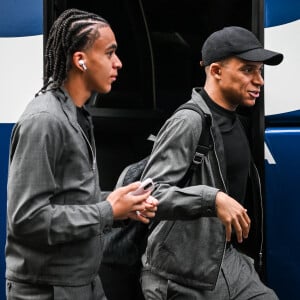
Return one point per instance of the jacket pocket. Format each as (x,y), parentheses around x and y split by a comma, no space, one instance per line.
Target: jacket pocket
(157,237)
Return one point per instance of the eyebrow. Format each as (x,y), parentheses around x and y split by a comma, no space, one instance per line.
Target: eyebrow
(252,65)
(112,47)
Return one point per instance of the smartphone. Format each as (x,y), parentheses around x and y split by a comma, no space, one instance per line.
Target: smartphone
(146,185)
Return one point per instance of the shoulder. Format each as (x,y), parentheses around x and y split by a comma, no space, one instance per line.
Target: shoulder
(191,116)
(44,107)
(182,127)
(194,109)
(42,116)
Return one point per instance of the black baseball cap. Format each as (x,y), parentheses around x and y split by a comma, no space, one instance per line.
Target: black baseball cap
(239,42)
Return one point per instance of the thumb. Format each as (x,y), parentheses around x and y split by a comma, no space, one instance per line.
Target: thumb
(130,187)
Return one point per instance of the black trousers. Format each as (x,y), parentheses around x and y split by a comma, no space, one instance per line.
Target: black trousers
(121,282)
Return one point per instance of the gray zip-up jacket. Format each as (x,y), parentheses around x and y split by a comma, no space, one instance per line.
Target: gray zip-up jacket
(55,216)
(188,245)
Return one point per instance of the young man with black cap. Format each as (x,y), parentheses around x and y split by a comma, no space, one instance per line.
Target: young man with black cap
(194,253)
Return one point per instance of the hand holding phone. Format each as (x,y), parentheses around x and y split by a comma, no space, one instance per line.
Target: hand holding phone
(146,185)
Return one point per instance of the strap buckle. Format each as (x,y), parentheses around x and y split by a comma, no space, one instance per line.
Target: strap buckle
(198,158)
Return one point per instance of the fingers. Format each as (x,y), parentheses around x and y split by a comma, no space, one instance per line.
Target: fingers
(137,216)
(123,203)
(146,213)
(152,200)
(228,231)
(143,219)
(139,201)
(138,207)
(130,187)
(233,216)
(240,221)
(150,208)
(238,230)
(241,225)
(245,224)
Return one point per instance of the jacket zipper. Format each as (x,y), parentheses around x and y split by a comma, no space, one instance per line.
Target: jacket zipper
(260,254)
(91,148)
(221,175)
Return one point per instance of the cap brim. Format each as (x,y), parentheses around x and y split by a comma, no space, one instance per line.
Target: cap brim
(262,55)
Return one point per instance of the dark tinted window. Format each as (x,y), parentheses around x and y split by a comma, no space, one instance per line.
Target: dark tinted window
(159,43)
(160,46)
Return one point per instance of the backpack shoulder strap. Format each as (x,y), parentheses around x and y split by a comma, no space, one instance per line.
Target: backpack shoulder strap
(205,141)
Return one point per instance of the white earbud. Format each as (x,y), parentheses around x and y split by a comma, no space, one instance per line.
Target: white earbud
(81,62)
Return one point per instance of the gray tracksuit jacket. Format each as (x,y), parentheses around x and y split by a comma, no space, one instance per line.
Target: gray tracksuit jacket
(55,216)
(188,245)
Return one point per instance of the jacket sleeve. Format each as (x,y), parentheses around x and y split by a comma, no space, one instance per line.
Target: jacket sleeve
(170,159)
(36,144)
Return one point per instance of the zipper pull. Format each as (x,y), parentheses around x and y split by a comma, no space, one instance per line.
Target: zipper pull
(260,263)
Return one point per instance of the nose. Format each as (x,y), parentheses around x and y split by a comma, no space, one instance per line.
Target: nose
(117,62)
(258,79)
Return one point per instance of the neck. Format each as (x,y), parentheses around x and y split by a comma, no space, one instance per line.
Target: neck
(216,95)
(76,88)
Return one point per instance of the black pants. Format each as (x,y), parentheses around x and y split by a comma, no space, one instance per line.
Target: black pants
(121,282)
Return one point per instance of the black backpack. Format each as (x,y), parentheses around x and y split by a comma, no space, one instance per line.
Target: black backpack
(124,246)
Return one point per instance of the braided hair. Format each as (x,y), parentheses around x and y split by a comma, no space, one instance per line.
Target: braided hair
(74,30)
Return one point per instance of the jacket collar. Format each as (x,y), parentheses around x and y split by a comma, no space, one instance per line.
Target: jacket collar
(198,98)
(68,106)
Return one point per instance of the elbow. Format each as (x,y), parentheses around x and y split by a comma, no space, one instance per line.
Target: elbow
(25,227)
(16,225)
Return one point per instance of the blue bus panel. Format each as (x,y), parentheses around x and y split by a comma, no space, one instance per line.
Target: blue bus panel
(18,19)
(282,210)
(279,12)
(5,131)
(21,18)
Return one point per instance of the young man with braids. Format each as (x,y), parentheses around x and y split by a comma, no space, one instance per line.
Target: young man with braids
(56,213)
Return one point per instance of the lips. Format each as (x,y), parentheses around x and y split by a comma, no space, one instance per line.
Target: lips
(254,94)
(114,78)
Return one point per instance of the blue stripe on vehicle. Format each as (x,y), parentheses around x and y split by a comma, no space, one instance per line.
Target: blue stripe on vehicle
(292,117)
(5,132)
(21,18)
(278,12)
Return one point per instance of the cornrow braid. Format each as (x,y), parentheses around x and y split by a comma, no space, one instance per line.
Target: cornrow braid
(74,30)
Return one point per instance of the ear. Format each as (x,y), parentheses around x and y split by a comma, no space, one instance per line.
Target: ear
(78,59)
(215,70)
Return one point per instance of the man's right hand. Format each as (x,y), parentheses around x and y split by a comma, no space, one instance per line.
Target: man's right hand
(123,202)
(232,214)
